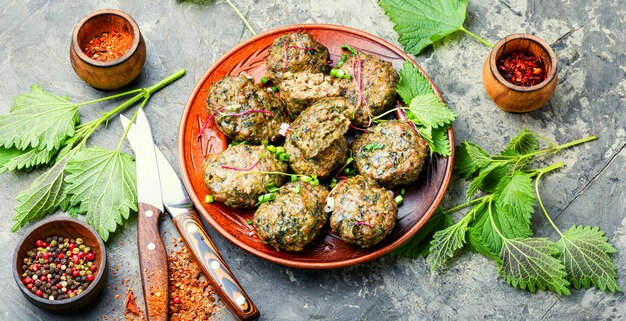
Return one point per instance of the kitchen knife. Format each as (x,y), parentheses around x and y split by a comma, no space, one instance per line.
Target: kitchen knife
(186,220)
(152,255)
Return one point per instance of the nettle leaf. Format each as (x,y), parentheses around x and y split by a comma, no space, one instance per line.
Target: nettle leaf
(480,158)
(530,263)
(26,159)
(419,244)
(585,252)
(429,110)
(43,196)
(103,183)
(476,243)
(422,22)
(446,243)
(38,120)
(440,143)
(509,225)
(412,83)
(525,142)
(6,154)
(515,196)
(486,176)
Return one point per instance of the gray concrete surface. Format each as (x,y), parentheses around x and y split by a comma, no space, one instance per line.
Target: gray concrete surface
(587,36)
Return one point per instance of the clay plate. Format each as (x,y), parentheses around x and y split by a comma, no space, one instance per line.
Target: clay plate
(327,251)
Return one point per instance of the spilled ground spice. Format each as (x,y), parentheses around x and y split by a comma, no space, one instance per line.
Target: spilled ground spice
(108,46)
(521,68)
(191,296)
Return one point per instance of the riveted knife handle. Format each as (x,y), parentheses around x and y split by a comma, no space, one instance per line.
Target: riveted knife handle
(214,267)
(152,262)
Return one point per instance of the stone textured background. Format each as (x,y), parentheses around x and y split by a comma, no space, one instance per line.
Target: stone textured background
(587,36)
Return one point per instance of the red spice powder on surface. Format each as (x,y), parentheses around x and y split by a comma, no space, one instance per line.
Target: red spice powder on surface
(522,69)
(191,296)
(108,46)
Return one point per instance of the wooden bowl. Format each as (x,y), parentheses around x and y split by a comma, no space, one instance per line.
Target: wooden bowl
(328,250)
(113,74)
(67,227)
(513,98)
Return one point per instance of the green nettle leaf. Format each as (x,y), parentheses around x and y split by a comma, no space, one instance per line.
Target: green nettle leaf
(412,83)
(7,154)
(422,22)
(103,183)
(26,159)
(476,243)
(446,243)
(525,142)
(530,263)
(479,181)
(464,166)
(510,226)
(38,120)
(429,110)
(515,196)
(480,158)
(585,252)
(440,143)
(419,244)
(43,196)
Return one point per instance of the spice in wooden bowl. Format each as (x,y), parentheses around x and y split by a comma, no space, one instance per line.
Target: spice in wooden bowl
(108,46)
(521,68)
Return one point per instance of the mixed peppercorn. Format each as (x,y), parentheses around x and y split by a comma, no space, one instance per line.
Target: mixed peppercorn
(58,268)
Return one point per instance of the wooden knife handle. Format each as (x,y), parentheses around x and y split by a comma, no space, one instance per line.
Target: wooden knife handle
(214,267)
(152,262)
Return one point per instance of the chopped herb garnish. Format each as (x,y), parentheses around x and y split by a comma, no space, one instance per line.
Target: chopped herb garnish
(208,199)
(374,146)
(264,80)
(249,222)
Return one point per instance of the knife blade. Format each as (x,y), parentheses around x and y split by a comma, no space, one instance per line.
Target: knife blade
(152,255)
(181,209)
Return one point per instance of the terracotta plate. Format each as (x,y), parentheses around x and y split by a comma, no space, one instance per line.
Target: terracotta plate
(327,251)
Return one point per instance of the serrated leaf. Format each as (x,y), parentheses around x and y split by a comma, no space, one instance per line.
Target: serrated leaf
(38,120)
(422,22)
(585,252)
(491,180)
(26,159)
(477,183)
(463,164)
(419,244)
(429,110)
(510,226)
(446,243)
(525,142)
(477,244)
(515,196)
(412,83)
(7,154)
(440,143)
(43,196)
(103,183)
(530,263)
(480,158)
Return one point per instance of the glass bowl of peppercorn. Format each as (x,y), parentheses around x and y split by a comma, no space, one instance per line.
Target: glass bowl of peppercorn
(107,49)
(60,265)
(520,73)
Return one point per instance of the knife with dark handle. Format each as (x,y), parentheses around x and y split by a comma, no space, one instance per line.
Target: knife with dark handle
(152,255)
(186,220)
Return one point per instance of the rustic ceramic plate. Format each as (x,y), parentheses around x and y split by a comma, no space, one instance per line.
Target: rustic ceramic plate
(327,251)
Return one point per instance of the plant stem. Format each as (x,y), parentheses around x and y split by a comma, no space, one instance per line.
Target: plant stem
(91,126)
(543,209)
(466,204)
(132,121)
(130,92)
(243,18)
(534,172)
(494,224)
(485,42)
